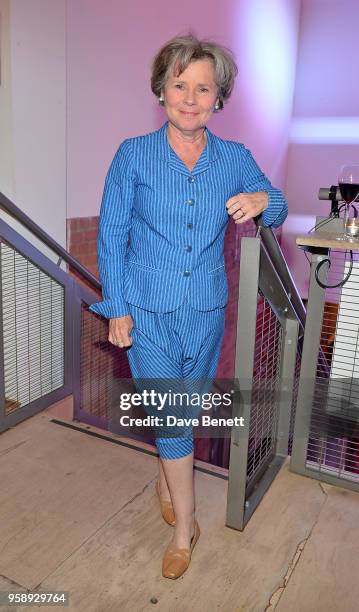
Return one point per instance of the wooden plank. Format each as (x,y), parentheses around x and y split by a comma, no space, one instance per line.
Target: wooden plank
(119,568)
(326,576)
(59,486)
(201,465)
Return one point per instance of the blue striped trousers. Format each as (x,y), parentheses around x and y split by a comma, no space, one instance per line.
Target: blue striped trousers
(181,346)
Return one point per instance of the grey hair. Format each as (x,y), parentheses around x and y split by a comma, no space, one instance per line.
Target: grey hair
(180,51)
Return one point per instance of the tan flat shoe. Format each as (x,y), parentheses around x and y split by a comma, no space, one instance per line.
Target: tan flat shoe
(166,507)
(176,560)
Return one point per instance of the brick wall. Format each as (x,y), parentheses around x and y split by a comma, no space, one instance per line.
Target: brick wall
(81,238)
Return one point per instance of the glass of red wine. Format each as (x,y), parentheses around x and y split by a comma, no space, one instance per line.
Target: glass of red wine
(349,190)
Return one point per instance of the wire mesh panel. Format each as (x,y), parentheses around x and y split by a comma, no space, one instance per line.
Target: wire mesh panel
(100,363)
(33,330)
(333,443)
(264,407)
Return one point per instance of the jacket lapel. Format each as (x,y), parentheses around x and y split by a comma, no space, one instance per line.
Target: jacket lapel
(208,155)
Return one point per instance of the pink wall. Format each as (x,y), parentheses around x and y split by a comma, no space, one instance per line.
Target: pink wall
(327,59)
(325,125)
(109,49)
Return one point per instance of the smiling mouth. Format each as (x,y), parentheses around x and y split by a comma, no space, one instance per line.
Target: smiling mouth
(188,113)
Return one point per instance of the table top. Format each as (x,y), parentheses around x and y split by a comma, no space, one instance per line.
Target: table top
(327,240)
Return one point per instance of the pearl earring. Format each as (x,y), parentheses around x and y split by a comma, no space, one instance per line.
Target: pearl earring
(161,99)
(216,106)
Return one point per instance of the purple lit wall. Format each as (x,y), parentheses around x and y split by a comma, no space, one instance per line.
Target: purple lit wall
(325,125)
(109,49)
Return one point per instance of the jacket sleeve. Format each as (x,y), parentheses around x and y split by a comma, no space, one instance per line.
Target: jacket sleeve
(113,232)
(253,179)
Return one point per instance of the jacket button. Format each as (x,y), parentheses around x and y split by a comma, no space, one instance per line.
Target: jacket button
(188,248)
(191,179)
(186,273)
(190,202)
(190,225)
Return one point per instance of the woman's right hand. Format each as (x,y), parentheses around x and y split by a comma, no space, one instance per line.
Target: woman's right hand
(119,331)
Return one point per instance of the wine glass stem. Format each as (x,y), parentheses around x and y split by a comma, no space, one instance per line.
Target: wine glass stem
(346,216)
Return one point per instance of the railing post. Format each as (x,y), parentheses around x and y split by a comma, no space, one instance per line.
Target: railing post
(76,348)
(245,347)
(287,382)
(311,344)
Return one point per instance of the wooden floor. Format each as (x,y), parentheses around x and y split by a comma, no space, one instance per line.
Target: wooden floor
(79,513)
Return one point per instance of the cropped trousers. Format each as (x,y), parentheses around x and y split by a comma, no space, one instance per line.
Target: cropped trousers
(178,349)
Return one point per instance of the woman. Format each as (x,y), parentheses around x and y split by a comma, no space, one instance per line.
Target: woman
(171,193)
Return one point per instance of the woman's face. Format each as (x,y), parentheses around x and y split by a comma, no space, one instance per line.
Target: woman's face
(189,99)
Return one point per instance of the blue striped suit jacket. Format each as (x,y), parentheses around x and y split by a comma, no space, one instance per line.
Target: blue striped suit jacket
(161,227)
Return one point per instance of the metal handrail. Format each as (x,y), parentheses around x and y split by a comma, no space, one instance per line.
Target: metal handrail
(275,252)
(19,215)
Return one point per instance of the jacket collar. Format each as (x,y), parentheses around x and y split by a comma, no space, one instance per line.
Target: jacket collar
(208,155)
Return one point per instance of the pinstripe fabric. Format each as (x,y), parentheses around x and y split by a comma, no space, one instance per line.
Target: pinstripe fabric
(178,351)
(175,221)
